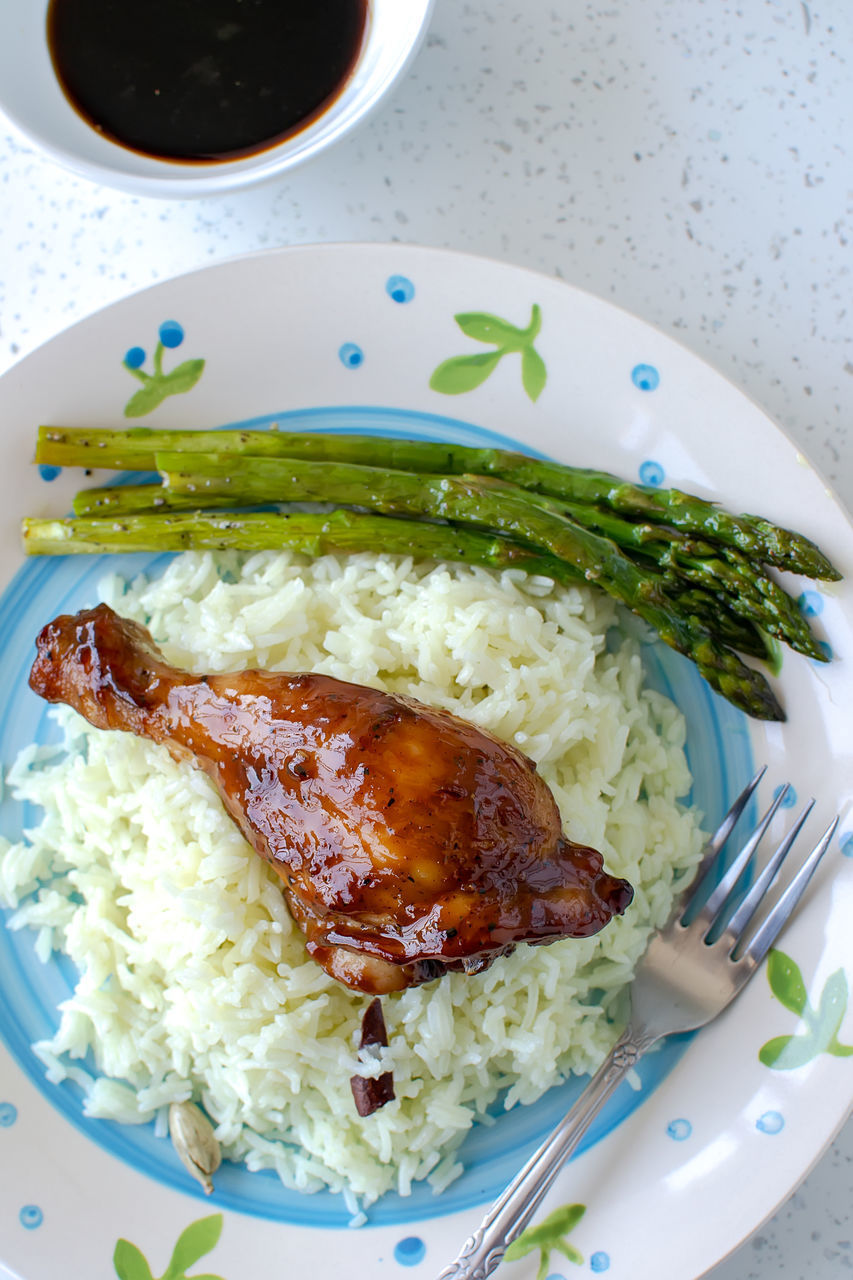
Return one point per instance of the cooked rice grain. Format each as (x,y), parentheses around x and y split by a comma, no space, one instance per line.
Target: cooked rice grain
(193,978)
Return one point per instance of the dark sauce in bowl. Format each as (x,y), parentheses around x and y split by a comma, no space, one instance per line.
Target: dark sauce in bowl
(203,80)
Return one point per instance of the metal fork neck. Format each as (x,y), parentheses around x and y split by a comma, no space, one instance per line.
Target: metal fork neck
(510,1214)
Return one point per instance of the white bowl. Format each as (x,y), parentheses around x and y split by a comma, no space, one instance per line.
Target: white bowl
(32,99)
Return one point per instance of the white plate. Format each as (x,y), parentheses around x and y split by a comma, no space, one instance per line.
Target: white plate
(348,337)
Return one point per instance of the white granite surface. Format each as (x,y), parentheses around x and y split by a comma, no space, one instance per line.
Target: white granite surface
(689,159)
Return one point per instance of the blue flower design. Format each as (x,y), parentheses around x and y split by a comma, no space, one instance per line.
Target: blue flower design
(410,1251)
(790,799)
(645,377)
(399,289)
(158,385)
(170,333)
(846,844)
(652,472)
(8,1114)
(48,472)
(679,1130)
(31,1217)
(600,1261)
(134,358)
(771,1122)
(825,649)
(351,355)
(811,603)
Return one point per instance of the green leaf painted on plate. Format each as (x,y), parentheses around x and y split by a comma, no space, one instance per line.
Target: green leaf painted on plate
(145,400)
(533,372)
(198,1239)
(520,1247)
(786,1053)
(548,1236)
(130,1263)
(770,1052)
(831,1009)
(158,389)
(485,328)
(159,385)
(193,1243)
(569,1251)
(786,981)
(183,377)
(532,330)
(463,373)
(558,1223)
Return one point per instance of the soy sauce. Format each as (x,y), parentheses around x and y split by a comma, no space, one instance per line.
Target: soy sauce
(202,80)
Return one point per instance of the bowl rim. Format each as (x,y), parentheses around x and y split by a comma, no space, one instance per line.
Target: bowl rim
(197,180)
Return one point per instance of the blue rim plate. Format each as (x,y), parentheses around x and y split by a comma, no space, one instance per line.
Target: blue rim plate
(379,338)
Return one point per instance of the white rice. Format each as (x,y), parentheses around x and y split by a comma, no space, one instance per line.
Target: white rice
(193,979)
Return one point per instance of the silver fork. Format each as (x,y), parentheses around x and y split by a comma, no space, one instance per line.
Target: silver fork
(693,968)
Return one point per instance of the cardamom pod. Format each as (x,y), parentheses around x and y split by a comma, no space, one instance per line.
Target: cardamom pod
(194,1141)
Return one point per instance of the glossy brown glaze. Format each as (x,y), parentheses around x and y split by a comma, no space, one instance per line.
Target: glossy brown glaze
(408,841)
(197,81)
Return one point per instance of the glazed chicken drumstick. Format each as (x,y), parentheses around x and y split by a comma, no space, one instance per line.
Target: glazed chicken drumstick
(408,842)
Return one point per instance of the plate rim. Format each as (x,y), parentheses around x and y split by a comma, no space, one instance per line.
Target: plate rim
(19,369)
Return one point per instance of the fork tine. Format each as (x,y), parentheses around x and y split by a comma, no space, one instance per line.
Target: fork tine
(750,903)
(724,830)
(765,937)
(721,891)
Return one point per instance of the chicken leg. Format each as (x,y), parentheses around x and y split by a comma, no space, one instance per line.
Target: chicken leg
(408,842)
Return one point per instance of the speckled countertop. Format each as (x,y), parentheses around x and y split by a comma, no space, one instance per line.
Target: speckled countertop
(689,159)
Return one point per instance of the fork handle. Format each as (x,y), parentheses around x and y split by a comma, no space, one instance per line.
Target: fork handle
(511,1212)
